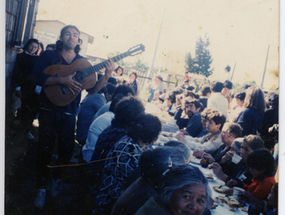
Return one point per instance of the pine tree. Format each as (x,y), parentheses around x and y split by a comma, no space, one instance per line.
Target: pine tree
(201,64)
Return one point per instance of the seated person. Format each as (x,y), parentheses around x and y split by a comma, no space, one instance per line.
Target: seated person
(262,167)
(123,89)
(235,111)
(205,94)
(228,85)
(185,150)
(217,100)
(123,159)
(97,127)
(230,131)
(238,174)
(134,83)
(89,107)
(126,111)
(212,141)
(152,164)
(192,108)
(119,71)
(170,102)
(204,115)
(179,188)
(235,149)
(269,207)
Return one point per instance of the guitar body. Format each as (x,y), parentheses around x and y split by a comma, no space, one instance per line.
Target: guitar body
(85,75)
(62,97)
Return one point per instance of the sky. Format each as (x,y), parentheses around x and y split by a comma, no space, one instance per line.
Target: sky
(240,31)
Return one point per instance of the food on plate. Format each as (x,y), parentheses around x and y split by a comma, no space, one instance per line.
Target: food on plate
(214,206)
(210,176)
(167,134)
(233,208)
(195,160)
(221,188)
(232,202)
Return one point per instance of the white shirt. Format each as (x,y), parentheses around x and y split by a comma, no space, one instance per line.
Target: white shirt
(198,142)
(96,128)
(218,101)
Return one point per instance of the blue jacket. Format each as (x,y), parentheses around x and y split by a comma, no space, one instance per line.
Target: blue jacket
(194,126)
(250,120)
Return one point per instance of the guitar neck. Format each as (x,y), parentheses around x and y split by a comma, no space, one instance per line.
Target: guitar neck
(102,65)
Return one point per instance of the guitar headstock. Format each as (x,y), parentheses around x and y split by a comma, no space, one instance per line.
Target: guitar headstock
(138,49)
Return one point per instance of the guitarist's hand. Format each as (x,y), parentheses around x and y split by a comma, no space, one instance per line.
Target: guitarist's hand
(110,66)
(72,85)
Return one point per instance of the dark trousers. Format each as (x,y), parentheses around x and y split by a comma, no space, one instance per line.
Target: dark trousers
(30,108)
(54,125)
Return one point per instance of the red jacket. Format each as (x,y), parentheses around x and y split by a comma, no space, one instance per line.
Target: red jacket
(260,188)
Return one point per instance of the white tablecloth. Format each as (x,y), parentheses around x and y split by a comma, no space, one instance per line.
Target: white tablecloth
(220,210)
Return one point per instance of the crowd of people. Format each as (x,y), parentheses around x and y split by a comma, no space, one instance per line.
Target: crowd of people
(234,131)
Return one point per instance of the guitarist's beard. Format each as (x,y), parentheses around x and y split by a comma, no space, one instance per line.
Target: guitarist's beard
(69,46)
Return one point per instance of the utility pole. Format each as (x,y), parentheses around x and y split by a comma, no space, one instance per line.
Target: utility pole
(265,67)
(233,71)
(157,43)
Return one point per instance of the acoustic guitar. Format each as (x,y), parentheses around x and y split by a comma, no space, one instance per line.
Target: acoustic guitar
(85,75)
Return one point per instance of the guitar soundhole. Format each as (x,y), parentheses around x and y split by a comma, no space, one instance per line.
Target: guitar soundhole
(79,76)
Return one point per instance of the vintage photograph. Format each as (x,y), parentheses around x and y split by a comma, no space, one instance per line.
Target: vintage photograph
(142,107)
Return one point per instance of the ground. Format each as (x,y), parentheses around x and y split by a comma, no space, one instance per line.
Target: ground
(20,175)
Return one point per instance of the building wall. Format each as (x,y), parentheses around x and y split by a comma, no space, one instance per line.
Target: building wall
(20,21)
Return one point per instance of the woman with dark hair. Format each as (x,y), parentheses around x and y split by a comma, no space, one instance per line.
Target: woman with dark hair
(134,83)
(123,158)
(238,174)
(41,48)
(152,164)
(183,190)
(235,111)
(262,167)
(126,111)
(251,117)
(24,84)
(270,118)
(119,71)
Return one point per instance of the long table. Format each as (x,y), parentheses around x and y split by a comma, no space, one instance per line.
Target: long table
(220,210)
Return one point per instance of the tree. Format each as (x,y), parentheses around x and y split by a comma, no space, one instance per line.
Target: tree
(201,64)
(141,65)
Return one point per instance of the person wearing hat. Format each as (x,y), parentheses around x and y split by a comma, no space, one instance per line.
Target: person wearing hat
(59,121)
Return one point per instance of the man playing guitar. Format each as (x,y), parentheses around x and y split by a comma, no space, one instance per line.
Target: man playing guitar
(59,121)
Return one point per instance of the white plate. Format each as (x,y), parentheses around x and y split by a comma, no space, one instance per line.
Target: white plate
(195,160)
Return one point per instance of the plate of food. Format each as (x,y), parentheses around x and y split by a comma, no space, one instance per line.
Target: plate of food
(221,188)
(167,134)
(231,202)
(195,160)
(210,177)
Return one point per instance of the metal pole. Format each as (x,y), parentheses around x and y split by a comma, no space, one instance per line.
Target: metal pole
(265,67)
(157,43)
(233,71)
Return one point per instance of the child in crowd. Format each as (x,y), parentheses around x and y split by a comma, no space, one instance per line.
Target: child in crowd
(211,141)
